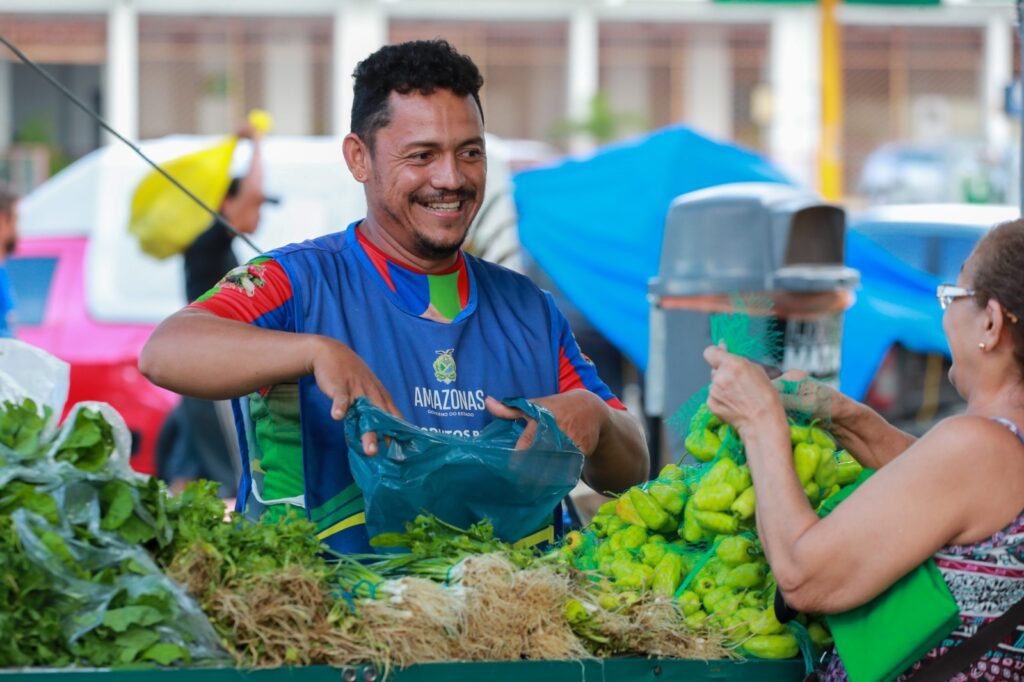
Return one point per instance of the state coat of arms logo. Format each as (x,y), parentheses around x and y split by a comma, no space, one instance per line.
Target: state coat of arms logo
(444,366)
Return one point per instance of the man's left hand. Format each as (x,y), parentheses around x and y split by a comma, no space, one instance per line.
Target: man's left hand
(580,414)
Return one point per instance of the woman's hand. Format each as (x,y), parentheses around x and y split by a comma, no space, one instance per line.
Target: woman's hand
(741,393)
(802,394)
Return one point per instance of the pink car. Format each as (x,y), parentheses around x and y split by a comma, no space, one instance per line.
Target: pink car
(47,275)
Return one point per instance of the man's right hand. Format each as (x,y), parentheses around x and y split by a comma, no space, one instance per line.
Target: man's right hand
(343,376)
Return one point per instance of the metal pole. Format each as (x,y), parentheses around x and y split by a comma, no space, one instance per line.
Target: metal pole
(830,163)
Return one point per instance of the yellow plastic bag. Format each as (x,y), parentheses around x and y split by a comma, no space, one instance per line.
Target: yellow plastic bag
(166,220)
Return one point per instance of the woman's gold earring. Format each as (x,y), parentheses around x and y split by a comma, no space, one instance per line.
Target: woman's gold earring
(982,345)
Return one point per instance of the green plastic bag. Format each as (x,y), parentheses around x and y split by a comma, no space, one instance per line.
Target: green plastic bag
(879,640)
(462,480)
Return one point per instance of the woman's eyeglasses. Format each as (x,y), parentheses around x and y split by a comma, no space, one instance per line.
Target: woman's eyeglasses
(947,293)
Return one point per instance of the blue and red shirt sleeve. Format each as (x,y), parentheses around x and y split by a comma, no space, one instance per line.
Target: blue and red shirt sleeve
(257,293)
(575,370)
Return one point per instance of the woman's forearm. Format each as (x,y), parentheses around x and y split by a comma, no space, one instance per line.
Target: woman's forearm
(783,513)
(867,436)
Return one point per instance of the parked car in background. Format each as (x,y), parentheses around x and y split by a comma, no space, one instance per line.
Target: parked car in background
(88,294)
(951,171)
(48,276)
(911,387)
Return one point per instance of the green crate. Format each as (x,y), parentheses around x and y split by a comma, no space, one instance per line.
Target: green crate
(596,670)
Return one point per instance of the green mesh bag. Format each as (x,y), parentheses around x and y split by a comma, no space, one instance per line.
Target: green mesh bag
(736,598)
(876,641)
(749,331)
(753,332)
(689,535)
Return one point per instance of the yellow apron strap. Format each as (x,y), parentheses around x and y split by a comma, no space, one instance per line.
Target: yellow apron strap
(546,534)
(354,520)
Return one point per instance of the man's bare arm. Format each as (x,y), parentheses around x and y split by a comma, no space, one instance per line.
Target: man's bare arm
(243,211)
(199,354)
(621,458)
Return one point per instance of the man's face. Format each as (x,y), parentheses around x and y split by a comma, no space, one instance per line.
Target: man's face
(426,172)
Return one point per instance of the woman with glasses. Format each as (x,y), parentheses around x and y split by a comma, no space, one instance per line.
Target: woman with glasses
(956,494)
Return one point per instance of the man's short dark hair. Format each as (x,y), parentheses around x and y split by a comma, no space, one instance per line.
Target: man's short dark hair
(7,200)
(422,66)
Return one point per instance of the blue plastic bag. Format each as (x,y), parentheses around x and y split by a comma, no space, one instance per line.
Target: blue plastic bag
(462,480)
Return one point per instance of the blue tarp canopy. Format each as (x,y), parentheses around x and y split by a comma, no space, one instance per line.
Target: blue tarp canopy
(595,225)
(895,304)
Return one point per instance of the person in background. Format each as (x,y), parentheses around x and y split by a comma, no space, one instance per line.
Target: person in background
(956,494)
(192,443)
(211,255)
(8,241)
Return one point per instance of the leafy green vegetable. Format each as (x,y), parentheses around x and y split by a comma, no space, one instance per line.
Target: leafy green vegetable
(21,426)
(90,443)
(241,547)
(73,595)
(121,619)
(30,628)
(135,531)
(116,504)
(165,653)
(434,547)
(59,549)
(20,495)
(133,641)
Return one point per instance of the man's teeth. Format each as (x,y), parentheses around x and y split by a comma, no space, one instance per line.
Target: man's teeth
(450,206)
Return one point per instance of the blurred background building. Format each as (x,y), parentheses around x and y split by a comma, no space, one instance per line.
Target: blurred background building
(923,84)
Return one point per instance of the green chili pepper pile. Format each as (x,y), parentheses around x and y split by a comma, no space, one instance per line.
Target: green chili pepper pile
(690,536)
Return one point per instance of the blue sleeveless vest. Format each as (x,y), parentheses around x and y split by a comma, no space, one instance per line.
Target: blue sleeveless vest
(503,344)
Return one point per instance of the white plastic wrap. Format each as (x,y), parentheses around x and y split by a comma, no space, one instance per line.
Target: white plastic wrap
(30,372)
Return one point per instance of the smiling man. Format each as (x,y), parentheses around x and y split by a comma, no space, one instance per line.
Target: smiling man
(391,309)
